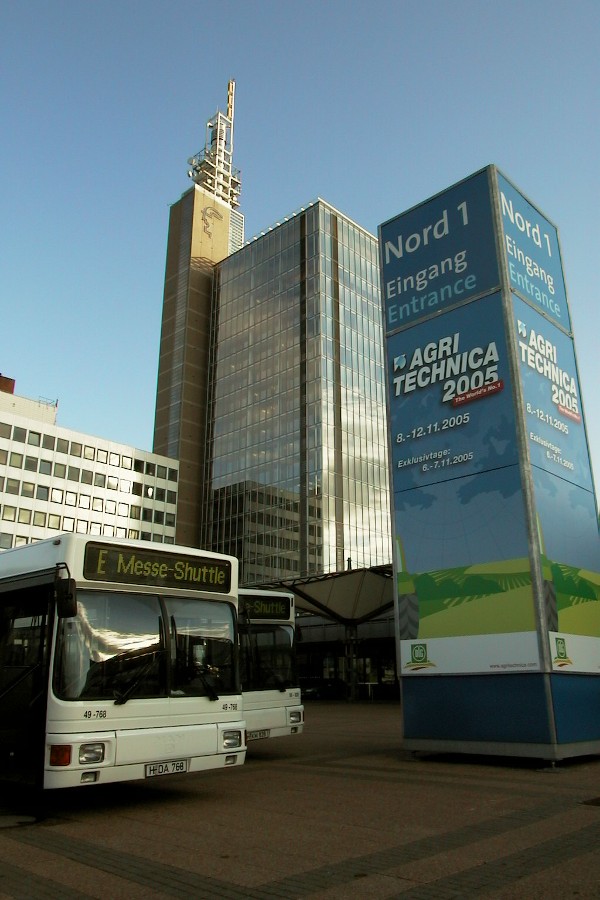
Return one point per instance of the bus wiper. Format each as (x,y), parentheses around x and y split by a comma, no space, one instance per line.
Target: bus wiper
(123,696)
(210,689)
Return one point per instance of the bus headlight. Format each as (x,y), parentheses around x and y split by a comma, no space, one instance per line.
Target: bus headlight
(91,753)
(232,739)
(295,717)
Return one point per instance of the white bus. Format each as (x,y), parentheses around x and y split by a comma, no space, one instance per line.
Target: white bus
(270,690)
(118,661)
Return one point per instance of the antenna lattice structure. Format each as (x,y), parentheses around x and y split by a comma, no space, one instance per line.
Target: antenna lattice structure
(212,167)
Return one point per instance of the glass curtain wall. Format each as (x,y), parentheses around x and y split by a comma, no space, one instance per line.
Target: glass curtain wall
(297,469)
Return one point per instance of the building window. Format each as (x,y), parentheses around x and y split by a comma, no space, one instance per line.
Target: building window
(48,442)
(34,438)
(31,464)
(73,473)
(138,466)
(27,489)
(9,513)
(39,519)
(135,512)
(56,495)
(99,479)
(12,486)
(159,517)
(19,434)
(114,459)
(97,504)
(89,452)
(160,495)
(171,497)
(112,483)
(126,462)
(125,487)
(54,522)
(16,460)
(4,430)
(123,510)
(172,474)
(136,489)
(68,523)
(170,520)
(133,534)
(161,472)
(3,457)
(102,456)
(149,491)
(5,541)
(45,467)
(87,476)
(121,532)
(150,468)
(70,498)
(108,530)
(62,445)
(60,470)
(76,448)
(146,515)
(42,492)
(84,501)
(82,527)
(110,507)
(24,516)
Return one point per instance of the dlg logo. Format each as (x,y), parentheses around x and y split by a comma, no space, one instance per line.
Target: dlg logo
(418,653)
(418,658)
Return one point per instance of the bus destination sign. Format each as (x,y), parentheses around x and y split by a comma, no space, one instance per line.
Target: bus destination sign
(155,568)
(266,607)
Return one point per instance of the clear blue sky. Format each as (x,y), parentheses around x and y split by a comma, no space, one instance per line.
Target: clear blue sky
(373,105)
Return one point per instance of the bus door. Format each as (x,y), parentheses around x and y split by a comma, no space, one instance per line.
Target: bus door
(25,621)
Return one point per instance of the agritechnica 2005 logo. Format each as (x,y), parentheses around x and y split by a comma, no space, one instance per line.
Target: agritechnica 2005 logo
(419,658)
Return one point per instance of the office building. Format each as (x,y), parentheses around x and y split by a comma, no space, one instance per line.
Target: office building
(271,382)
(54,479)
(297,463)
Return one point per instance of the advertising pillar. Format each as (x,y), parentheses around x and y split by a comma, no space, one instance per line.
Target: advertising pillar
(495,526)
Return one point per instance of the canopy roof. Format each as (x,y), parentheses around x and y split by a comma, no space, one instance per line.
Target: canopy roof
(350,597)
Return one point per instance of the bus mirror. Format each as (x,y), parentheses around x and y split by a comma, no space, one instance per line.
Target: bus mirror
(66,598)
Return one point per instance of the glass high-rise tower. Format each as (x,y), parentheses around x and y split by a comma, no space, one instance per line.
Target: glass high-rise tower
(297,463)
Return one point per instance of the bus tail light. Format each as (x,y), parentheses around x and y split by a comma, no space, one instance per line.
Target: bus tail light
(232,740)
(60,755)
(91,753)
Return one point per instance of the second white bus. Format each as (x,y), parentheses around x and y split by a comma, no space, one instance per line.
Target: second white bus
(270,690)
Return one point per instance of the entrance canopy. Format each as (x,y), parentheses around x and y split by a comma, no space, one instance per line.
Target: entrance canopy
(349,598)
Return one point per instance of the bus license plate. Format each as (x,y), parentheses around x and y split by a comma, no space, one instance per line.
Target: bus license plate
(256,735)
(172,767)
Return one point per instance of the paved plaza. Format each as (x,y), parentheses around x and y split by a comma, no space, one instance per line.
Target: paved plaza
(340,811)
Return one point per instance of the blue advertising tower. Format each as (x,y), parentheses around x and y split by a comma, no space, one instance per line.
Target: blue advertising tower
(495,522)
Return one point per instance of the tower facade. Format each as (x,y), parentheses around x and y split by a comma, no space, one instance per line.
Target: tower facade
(204,227)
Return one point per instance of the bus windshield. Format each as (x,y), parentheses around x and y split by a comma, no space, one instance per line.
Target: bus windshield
(267,656)
(124,645)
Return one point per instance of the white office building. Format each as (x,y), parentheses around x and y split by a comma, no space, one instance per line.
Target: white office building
(53,479)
